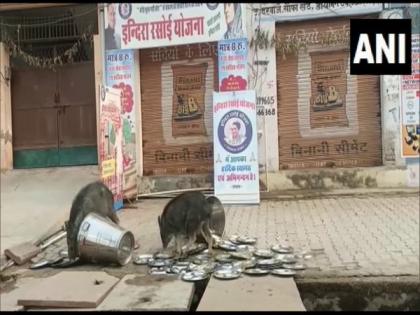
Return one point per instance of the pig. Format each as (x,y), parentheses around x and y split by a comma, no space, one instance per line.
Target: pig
(183,218)
(94,197)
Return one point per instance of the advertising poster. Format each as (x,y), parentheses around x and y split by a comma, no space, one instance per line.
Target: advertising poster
(120,74)
(236,176)
(110,143)
(233,68)
(147,25)
(410,104)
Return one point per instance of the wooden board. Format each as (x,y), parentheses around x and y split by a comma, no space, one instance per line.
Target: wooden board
(267,293)
(75,289)
(149,293)
(22,253)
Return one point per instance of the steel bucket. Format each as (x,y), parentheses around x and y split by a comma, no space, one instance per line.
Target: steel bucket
(217,221)
(102,241)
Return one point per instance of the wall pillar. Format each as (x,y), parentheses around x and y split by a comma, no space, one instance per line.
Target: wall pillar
(6,147)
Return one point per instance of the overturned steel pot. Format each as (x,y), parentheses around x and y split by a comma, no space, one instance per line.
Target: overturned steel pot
(102,241)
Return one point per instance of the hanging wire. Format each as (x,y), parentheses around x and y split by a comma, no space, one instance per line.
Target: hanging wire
(71,17)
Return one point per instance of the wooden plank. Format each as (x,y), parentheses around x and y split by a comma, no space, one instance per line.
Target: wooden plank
(267,293)
(22,253)
(149,293)
(9,296)
(75,289)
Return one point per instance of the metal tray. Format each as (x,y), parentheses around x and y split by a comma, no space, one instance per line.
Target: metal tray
(256,272)
(283,272)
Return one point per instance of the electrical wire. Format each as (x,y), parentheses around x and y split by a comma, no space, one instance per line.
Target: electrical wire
(48,23)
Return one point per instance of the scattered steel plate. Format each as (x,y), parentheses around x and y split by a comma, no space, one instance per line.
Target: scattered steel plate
(142,259)
(243,247)
(157,263)
(163,255)
(157,271)
(281,250)
(288,259)
(251,263)
(63,253)
(264,253)
(294,266)
(40,264)
(256,272)
(283,272)
(268,262)
(227,274)
(197,248)
(234,239)
(224,258)
(247,240)
(226,245)
(241,255)
(194,276)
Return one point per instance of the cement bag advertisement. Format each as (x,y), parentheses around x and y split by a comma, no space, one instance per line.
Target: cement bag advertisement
(110,143)
(236,176)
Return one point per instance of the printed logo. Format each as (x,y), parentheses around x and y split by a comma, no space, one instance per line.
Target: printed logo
(125,10)
(235,131)
(212,6)
(380,46)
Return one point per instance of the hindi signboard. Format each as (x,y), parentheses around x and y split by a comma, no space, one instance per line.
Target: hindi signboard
(147,25)
(236,175)
(233,68)
(110,143)
(304,11)
(410,104)
(120,74)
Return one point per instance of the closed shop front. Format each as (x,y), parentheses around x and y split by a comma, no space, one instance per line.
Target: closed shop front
(177,85)
(327,117)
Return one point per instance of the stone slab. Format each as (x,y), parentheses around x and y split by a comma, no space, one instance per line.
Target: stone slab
(143,292)
(72,289)
(266,293)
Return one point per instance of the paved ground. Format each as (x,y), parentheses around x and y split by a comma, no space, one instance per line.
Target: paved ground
(33,200)
(347,236)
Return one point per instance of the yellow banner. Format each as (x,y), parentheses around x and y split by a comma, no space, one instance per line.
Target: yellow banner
(108,168)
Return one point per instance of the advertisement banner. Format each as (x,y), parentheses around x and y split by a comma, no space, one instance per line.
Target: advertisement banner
(410,104)
(302,11)
(120,74)
(236,176)
(147,25)
(233,68)
(110,143)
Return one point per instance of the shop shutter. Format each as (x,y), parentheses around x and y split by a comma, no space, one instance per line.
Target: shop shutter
(326,117)
(177,84)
